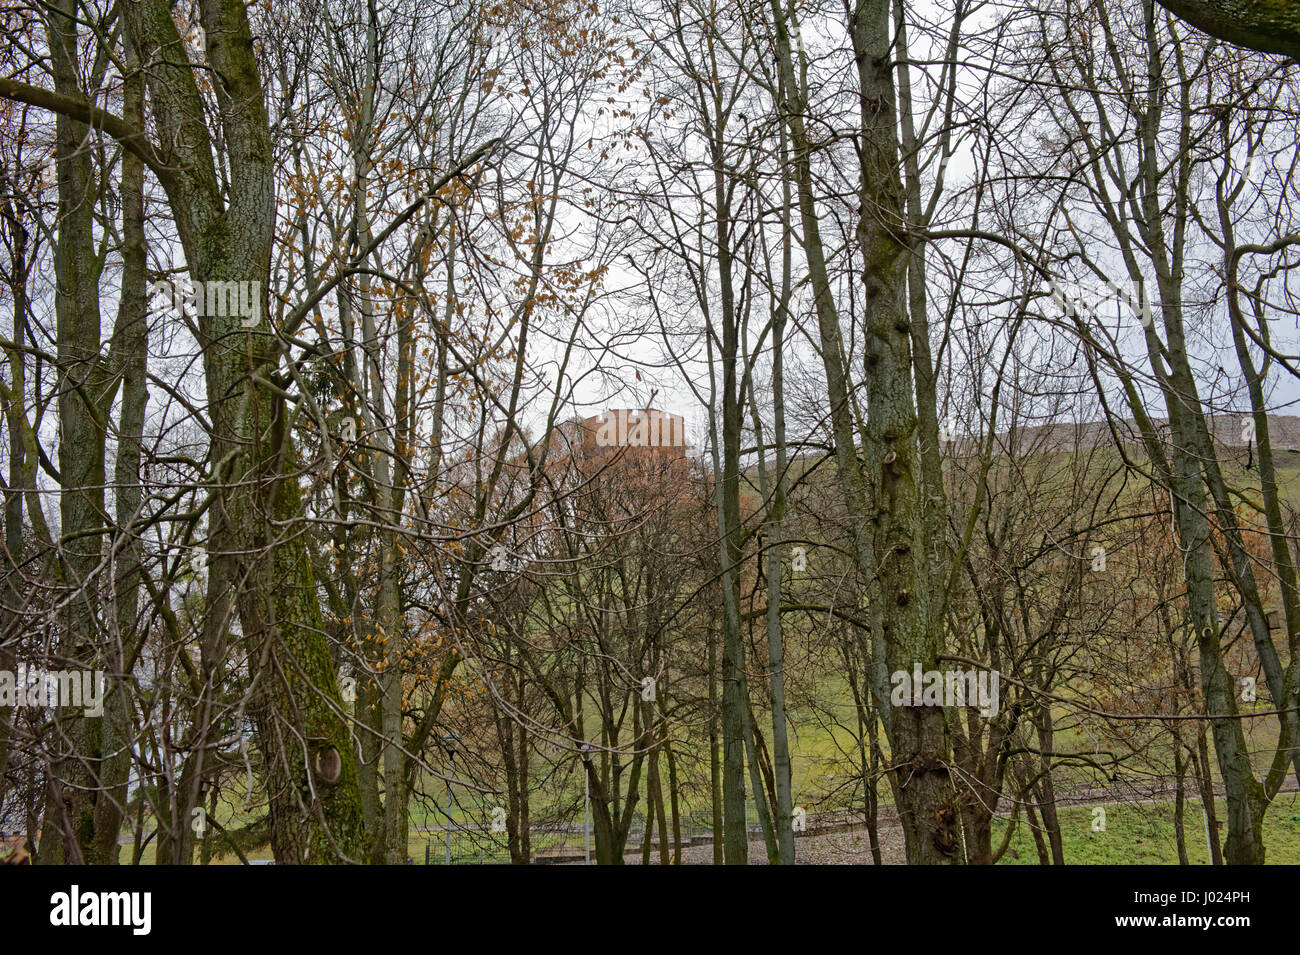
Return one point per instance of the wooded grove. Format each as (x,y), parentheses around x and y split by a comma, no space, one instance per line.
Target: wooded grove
(659,431)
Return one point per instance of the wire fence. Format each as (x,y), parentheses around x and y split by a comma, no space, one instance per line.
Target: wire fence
(567,842)
(547,843)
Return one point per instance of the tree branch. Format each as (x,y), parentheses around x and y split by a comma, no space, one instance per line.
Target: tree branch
(87,112)
(1270,26)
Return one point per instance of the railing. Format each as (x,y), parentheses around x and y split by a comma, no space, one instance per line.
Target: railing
(565,842)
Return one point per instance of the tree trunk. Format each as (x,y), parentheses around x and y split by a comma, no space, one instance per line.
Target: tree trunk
(76,741)
(1205,786)
(130,348)
(1180,788)
(715,763)
(315,805)
(900,589)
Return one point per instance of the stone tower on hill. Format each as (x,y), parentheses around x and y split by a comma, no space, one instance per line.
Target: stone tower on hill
(637,428)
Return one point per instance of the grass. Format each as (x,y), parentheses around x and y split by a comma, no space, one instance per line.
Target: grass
(1143,834)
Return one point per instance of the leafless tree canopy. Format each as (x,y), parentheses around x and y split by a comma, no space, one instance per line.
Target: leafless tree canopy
(660,430)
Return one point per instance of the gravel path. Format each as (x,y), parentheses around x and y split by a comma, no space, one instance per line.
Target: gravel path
(848,847)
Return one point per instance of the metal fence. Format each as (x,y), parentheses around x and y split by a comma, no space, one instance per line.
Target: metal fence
(459,846)
(549,842)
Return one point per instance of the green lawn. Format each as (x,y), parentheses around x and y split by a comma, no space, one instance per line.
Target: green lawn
(1144,835)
